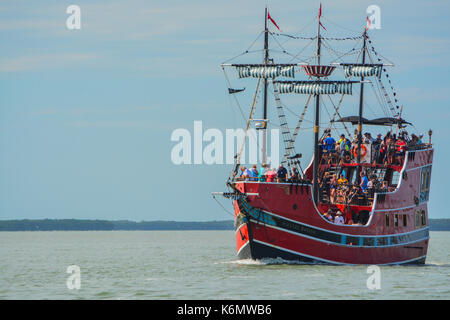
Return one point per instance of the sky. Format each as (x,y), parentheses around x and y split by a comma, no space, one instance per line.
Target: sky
(86,116)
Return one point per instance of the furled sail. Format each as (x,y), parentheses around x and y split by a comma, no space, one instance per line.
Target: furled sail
(312,87)
(362,70)
(287,71)
(265,71)
(315,88)
(243,72)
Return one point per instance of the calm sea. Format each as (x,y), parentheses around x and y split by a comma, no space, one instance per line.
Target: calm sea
(194,265)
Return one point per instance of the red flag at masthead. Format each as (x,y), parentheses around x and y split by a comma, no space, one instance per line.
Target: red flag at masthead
(273,21)
(320,14)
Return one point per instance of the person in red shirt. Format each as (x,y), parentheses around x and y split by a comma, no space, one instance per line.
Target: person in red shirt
(401,149)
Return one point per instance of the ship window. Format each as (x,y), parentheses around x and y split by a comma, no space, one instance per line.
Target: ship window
(404,220)
(425,183)
(395,178)
(423,218)
(396,220)
(417,219)
(387,219)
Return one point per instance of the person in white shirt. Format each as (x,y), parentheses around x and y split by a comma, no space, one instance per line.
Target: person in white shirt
(339,219)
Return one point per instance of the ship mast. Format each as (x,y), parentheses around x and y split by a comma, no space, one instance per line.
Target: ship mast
(316,121)
(361,101)
(265,84)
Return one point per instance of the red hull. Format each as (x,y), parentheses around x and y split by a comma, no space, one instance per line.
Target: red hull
(281,220)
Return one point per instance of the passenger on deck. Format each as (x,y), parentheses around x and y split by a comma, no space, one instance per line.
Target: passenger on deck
(352,193)
(339,219)
(345,147)
(333,187)
(262,172)
(253,173)
(390,144)
(281,173)
(376,147)
(271,175)
(371,186)
(243,175)
(414,141)
(368,138)
(342,180)
(364,181)
(329,143)
(382,153)
(420,139)
(401,148)
(328,147)
(295,176)
(379,140)
(328,215)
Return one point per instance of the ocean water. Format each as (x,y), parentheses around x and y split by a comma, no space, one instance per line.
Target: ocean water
(194,265)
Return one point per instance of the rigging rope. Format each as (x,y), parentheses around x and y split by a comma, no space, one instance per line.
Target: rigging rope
(238,156)
(297,128)
(229,86)
(336,112)
(286,133)
(315,37)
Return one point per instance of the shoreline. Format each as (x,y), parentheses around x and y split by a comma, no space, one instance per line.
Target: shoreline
(127,225)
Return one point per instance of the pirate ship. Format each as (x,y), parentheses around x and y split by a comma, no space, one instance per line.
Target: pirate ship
(285,218)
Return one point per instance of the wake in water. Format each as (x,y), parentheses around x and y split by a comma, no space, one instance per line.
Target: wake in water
(267,261)
(280,261)
(436,264)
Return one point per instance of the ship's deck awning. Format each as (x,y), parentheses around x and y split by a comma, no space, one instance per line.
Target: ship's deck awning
(375,122)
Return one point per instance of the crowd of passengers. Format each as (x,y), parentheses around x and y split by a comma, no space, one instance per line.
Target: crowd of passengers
(336,216)
(338,190)
(387,150)
(265,173)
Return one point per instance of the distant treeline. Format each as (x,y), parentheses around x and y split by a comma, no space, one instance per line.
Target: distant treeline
(439,224)
(99,225)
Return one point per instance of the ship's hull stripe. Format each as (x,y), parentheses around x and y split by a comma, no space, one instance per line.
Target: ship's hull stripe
(331,261)
(359,241)
(267,218)
(334,237)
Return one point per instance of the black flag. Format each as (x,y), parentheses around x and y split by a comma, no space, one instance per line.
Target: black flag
(231,90)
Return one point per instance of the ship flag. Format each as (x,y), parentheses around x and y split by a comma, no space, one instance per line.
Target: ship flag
(320,14)
(368,23)
(231,90)
(273,21)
